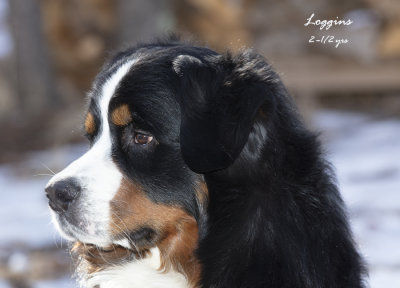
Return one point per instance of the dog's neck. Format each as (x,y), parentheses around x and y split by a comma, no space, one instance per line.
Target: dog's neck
(126,270)
(171,263)
(252,192)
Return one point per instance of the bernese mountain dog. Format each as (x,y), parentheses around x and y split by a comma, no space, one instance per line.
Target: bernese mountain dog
(200,173)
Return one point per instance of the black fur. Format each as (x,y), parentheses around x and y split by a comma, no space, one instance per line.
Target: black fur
(274,217)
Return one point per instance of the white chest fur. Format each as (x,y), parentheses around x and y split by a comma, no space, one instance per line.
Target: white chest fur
(143,273)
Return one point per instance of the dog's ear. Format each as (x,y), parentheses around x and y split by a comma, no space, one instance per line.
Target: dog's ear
(220,99)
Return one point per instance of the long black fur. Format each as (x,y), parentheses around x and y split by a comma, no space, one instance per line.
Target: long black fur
(274,217)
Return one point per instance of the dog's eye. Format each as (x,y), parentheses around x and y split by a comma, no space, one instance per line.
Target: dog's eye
(143,139)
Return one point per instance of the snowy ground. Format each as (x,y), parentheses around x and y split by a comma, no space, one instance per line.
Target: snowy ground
(364,150)
(366,154)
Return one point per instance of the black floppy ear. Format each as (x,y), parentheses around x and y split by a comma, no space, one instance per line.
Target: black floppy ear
(220,98)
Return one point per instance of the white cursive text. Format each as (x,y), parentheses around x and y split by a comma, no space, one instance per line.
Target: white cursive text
(326,23)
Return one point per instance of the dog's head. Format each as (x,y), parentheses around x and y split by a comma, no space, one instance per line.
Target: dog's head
(160,117)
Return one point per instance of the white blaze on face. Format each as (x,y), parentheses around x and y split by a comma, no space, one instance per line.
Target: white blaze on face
(98,176)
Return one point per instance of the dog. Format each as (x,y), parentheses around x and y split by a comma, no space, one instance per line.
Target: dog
(201,173)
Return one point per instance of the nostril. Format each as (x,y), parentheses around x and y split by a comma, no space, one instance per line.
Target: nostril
(62,193)
(63,197)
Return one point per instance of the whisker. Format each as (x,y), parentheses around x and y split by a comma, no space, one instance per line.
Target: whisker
(119,227)
(126,234)
(45,166)
(51,175)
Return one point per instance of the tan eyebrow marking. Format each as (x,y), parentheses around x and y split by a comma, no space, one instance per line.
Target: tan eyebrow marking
(121,116)
(90,125)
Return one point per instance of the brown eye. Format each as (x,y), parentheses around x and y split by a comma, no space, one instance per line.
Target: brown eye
(143,139)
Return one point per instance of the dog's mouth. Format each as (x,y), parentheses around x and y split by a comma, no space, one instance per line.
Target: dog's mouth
(98,254)
(113,250)
(81,230)
(98,258)
(91,235)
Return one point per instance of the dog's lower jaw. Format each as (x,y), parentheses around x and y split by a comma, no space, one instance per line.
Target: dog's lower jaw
(133,269)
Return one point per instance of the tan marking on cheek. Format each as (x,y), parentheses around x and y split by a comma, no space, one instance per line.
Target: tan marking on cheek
(177,250)
(132,209)
(121,116)
(90,125)
(177,231)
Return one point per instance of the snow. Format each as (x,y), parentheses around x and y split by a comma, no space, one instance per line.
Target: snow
(30,217)
(364,150)
(366,154)
(4,284)
(6,42)
(59,283)
(24,214)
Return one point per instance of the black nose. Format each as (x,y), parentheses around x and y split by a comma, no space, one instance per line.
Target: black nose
(62,193)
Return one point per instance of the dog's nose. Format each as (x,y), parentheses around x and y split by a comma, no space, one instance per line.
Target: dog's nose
(62,193)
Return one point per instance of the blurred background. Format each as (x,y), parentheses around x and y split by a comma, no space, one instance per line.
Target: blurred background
(50,50)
